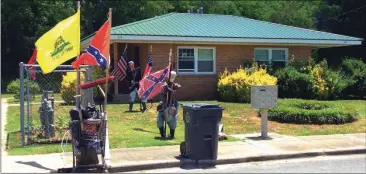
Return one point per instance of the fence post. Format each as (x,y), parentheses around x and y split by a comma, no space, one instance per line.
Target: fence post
(21,80)
(28,106)
(88,93)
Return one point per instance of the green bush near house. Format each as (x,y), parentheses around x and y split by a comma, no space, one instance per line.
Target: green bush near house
(312,112)
(14,88)
(327,83)
(317,81)
(354,71)
(293,84)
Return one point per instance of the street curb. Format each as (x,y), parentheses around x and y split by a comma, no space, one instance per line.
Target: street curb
(206,163)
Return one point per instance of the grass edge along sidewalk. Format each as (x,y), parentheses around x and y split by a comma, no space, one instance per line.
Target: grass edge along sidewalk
(139,129)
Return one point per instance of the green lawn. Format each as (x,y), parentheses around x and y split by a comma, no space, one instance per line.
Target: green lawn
(139,129)
(12,100)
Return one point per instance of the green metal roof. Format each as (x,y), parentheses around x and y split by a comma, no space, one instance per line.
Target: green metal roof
(219,26)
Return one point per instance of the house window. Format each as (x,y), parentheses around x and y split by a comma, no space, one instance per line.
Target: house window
(275,57)
(196,60)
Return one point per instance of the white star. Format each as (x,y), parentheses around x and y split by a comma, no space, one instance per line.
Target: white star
(96,52)
(101,60)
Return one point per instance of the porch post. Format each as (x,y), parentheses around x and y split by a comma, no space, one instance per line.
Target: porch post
(115,58)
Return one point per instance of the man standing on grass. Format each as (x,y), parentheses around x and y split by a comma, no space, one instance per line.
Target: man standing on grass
(134,76)
(168,106)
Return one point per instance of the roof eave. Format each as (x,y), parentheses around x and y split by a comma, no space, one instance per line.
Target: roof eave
(222,40)
(235,40)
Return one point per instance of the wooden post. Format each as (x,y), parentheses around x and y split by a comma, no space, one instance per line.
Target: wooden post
(115,58)
(107,152)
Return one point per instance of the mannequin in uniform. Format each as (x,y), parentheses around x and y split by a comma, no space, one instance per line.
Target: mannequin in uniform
(168,102)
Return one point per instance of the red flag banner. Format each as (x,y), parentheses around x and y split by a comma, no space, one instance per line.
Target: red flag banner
(150,85)
(33,60)
(97,53)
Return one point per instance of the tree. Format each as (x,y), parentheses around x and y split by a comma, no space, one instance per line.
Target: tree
(23,22)
(346,18)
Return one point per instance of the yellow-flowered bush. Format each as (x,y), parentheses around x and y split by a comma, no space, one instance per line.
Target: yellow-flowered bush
(68,86)
(327,84)
(235,86)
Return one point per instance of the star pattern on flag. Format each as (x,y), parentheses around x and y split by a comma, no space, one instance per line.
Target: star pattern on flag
(155,81)
(95,53)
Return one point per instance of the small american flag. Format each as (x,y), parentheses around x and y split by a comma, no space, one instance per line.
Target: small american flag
(120,70)
(148,66)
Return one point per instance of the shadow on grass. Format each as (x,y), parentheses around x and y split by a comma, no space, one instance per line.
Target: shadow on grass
(34,164)
(7,142)
(131,111)
(143,130)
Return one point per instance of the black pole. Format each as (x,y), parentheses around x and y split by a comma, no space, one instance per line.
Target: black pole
(170,70)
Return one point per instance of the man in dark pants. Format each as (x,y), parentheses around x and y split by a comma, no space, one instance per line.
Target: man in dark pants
(134,76)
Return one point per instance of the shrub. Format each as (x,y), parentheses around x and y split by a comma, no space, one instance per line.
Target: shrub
(236,86)
(327,84)
(14,88)
(355,72)
(293,84)
(225,89)
(68,86)
(311,112)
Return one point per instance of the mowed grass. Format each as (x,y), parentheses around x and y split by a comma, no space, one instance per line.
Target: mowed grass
(37,98)
(139,129)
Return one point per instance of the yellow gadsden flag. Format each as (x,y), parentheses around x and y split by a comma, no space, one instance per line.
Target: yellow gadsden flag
(59,44)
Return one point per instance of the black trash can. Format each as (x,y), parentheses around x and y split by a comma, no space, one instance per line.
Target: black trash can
(201,130)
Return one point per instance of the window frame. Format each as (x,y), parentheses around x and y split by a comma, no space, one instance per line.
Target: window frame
(195,72)
(270,54)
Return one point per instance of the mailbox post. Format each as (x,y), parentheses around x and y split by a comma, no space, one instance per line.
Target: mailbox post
(264,97)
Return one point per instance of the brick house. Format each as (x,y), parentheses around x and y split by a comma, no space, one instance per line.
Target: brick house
(203,45)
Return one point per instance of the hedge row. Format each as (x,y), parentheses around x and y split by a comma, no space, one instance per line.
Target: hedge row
(311,112)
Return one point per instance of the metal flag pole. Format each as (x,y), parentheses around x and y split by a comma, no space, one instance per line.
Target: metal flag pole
(167,97)
(78,92)
(107,152)
(152,101)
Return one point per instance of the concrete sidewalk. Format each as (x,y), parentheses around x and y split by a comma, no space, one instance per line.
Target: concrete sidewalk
(252,148)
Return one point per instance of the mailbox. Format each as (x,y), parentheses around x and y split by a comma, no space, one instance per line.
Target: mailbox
(264,96)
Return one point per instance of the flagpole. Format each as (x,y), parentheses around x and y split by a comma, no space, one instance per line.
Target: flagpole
(167,97)
(151,106)
(78,92)
(107,155)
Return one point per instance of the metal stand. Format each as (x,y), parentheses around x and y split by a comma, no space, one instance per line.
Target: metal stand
(264,123)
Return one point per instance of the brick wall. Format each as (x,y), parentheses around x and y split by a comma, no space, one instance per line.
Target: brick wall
(202,87)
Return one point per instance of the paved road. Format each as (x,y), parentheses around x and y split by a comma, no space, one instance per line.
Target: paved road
(323,164)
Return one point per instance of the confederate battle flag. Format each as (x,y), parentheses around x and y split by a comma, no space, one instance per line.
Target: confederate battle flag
(98,50)
(150,85)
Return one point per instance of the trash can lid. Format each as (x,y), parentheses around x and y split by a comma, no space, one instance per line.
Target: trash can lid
(200,105)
